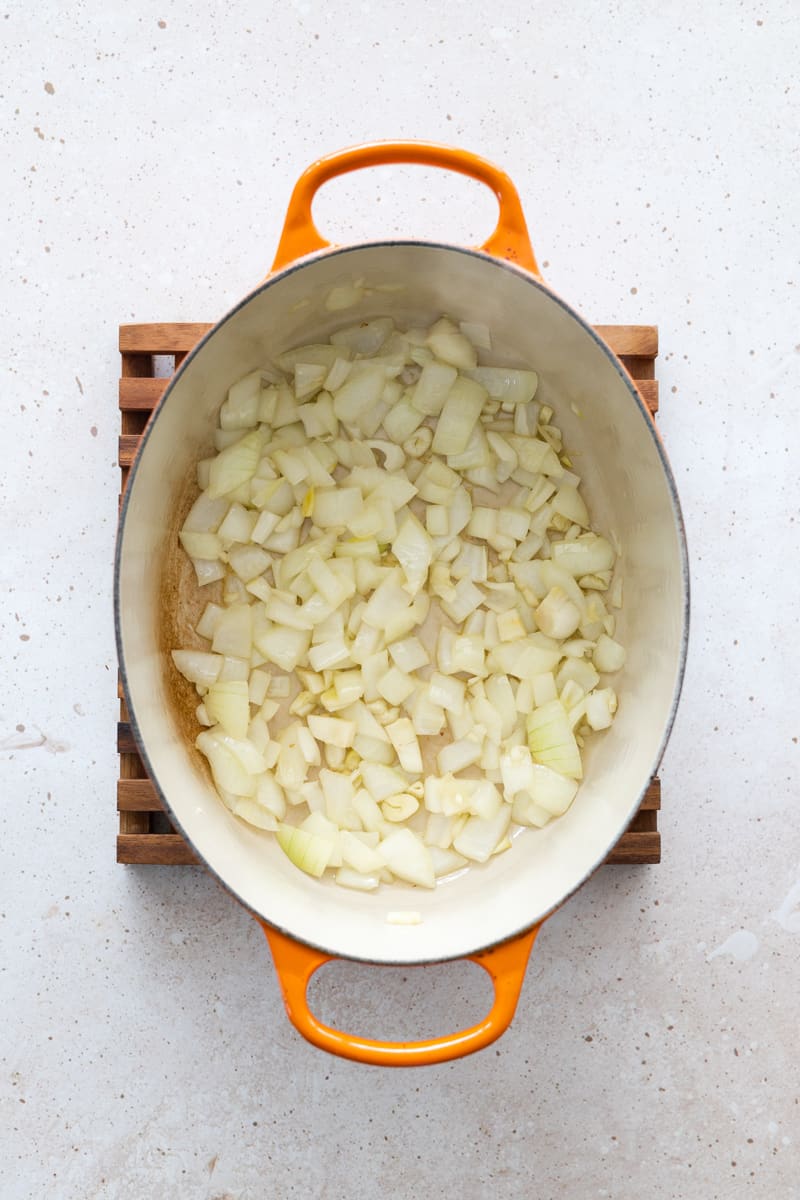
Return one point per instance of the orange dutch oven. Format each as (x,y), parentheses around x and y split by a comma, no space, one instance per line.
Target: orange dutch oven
(492,913)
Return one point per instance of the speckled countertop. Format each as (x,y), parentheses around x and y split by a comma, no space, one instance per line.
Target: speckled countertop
(150,151)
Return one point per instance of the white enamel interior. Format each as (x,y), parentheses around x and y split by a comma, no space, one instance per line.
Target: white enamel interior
(630,494)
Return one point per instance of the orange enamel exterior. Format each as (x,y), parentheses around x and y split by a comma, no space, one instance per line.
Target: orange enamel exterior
(300,236)
(295,963)
(505,964)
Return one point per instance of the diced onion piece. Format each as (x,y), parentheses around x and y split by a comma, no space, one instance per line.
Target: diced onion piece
(366,337)
(458,755)
(201,545)
(332,730)
(525,658)
(396,686)
(557,616)
(427,718)
(336,506)
(468,655)
(457,420)
(233,633)
(308,379)
(465,600)
(249,562)
(479,837)
(408,654)
(347,877)
(381,781)
(570,504)
(446,692)
(552,741)
(510,626)
(445,862)
(308,851)
(507,460)
(408,858)
(240,410)
(198,666)
(284,647)
(322,354)
(358,855)
(507,385)
(404,740)
(608,655)
(600,708)
(584,555)
(433,387)
(359,393)
(402,420)
(240,749)
(413,549)
(234,465)
(206,514)
(525,811)
(254,814)
(448,344)
(270,796)
(229,704)
(580,672)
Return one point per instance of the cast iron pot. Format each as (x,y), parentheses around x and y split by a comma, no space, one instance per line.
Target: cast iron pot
(490,913)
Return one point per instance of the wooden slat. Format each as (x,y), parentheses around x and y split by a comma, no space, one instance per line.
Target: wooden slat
(645,821)
(126,742)
(140,395)
(137,795)
(639,341)
(634,848)
(179,337)
(648,390)
(652,797)
(155,849)
(128,445)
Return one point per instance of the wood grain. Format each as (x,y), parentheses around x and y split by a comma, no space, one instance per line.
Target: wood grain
(140,395)
(636,341)
(141,839)
(179,337)
(155,850)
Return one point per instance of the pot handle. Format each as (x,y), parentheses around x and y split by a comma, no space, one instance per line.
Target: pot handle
(295,963)
(300,236)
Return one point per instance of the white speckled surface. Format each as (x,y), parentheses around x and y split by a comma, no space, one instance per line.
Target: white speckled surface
(149,156)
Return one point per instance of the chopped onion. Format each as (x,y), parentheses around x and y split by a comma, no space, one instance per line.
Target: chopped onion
(374,474)
(308,851)
(198,666)
(551,739)
(462,409)
(228,703)
(433,387)
(480,837)
(608,655)
(408,858)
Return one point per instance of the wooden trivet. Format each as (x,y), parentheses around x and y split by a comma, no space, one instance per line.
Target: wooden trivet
(150,355)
